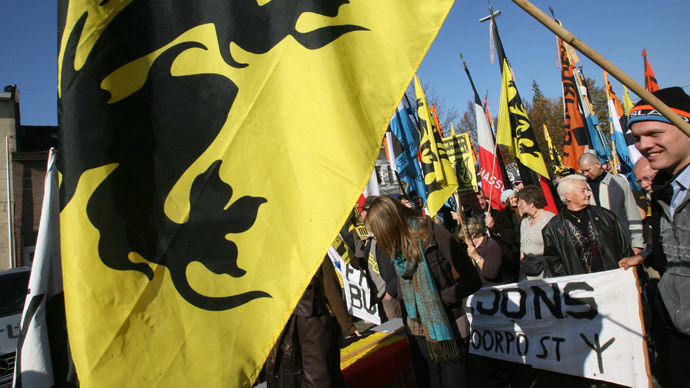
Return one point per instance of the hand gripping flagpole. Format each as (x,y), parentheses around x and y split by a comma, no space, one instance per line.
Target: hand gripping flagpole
(604,64)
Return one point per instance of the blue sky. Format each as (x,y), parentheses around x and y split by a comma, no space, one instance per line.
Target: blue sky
(29,57)
(616,29)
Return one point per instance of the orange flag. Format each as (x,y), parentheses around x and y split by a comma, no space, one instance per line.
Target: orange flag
(649,78)
(438,124)
(575,129)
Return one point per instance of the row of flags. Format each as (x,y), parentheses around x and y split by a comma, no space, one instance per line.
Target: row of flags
(514,131)
(624,145)
(186,238)
(582,126)
(582,130)
(433,166)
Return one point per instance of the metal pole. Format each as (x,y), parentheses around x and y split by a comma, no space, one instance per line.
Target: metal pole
(10,233)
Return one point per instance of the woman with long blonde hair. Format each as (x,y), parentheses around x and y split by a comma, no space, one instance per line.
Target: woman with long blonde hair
(435,274)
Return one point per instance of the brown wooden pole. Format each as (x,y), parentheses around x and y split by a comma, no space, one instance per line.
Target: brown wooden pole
(604,64)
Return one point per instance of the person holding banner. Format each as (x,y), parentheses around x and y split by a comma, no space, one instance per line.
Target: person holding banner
(668,150)
(435,274)
(583,238)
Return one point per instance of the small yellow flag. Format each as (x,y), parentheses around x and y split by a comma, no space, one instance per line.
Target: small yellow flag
(439,176)
(459,149)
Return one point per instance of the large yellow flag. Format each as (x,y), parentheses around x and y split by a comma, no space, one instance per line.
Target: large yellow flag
(439,177)
(210,152)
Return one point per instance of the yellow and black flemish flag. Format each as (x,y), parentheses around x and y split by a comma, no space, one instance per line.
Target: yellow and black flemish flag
(439,177)
(514,128)
(190,132)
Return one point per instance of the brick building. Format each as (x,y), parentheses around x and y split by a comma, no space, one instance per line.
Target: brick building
(27,148)
(28,175)
(9,124)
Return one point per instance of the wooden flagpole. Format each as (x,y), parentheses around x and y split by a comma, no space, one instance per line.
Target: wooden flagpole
(604,64)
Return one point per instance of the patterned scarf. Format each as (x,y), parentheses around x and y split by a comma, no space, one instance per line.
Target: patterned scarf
(586,246)
(421,298)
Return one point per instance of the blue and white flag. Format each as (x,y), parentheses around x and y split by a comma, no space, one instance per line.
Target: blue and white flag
(599,143)
(627,153)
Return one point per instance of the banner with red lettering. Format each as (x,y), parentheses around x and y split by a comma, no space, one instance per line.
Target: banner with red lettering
(583,325)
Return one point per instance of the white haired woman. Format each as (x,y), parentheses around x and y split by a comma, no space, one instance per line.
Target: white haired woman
(583,238)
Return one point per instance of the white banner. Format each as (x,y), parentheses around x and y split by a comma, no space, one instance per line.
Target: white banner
(583,325)
(358,295)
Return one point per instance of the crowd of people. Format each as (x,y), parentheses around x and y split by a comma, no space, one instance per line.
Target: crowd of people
(424,268)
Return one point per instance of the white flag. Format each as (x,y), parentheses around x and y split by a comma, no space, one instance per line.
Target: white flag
(33,366)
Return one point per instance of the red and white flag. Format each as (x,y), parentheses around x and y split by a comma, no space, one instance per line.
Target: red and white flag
(489,166)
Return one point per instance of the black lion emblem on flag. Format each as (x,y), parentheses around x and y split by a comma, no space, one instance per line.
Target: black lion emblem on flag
(152,136)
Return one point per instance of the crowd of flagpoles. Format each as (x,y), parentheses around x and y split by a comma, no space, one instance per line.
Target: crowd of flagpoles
(582,130)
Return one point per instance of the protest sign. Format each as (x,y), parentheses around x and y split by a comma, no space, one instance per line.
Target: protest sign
(583,325)
(458,148)
(358,296)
